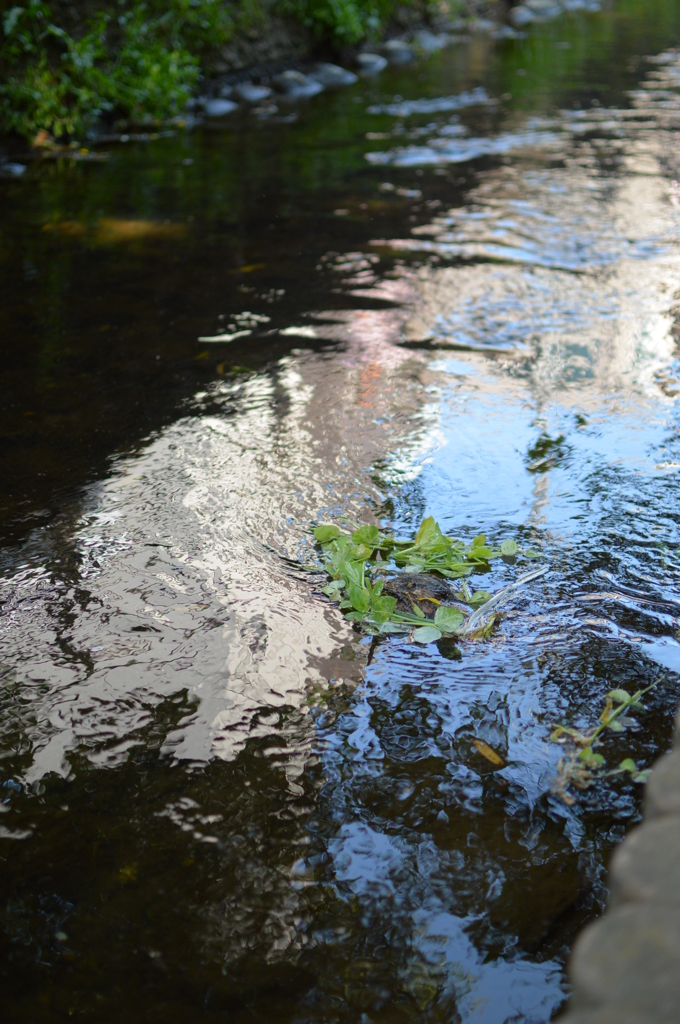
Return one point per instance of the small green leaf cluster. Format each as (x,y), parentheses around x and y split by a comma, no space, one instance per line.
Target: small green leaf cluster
(136,60)
(347,20)
(584,765)
(357,562)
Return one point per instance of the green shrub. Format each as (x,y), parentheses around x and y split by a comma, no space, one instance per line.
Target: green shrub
(137,61)
(348,20)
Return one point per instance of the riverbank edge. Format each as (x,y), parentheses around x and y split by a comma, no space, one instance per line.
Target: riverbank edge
(260,47)
(284,40)
(625,967)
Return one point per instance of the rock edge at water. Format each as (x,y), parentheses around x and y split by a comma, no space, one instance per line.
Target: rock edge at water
(625,967)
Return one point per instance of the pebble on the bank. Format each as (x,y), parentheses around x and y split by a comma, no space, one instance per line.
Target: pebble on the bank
(333,76)
(219,107)
(371,63)
(250,93)
(294,84)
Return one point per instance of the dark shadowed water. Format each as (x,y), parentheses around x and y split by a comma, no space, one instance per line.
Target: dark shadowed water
(450,290)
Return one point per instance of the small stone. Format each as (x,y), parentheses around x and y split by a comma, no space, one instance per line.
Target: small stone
(218,107)
(646,866)
(12,170)
(630,958)
(295,85)
(225,91)
(428,42)
(609,1015)
(333,76)
(505,32)
(371,63)
(250,93)
(480,25)
(521,16)
(662,795)
(397,51)
(543,8)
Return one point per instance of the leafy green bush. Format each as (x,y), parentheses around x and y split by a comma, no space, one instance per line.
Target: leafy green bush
(348,20)
(138,61)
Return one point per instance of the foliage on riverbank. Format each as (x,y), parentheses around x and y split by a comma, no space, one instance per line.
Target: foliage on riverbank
(133,60)
(140,61)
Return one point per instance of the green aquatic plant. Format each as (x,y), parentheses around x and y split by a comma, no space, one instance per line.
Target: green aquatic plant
(363,565)
(582,765)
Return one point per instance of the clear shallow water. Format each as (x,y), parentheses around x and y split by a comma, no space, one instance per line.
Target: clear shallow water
(220,802)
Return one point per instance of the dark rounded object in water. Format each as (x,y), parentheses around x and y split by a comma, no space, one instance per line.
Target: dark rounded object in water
(295,85)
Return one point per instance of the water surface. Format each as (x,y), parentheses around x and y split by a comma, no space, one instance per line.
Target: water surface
(448,291)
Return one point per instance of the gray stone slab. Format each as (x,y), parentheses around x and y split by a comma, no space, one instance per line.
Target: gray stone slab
(646,866)
(631,959)
(614,1014)
(662,794)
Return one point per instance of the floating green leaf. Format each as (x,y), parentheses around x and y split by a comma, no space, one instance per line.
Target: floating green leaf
(448,619)
(360,598)
(428,534)
(326,532)
(426,634)
(382,608)
(590,759)
(509,547)
(620,696)
(368,535)
(480,552)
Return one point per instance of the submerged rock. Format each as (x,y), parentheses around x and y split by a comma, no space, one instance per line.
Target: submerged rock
(250,93)
(397,51)
(483,25)
(296,85)
(11,170)
(371,63)
(544,9)
(505,32)
(419,589)
(521,16)
(219,107)
(428,42)
(333,76)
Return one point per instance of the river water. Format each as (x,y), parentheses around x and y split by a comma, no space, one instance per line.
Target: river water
(450,290)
